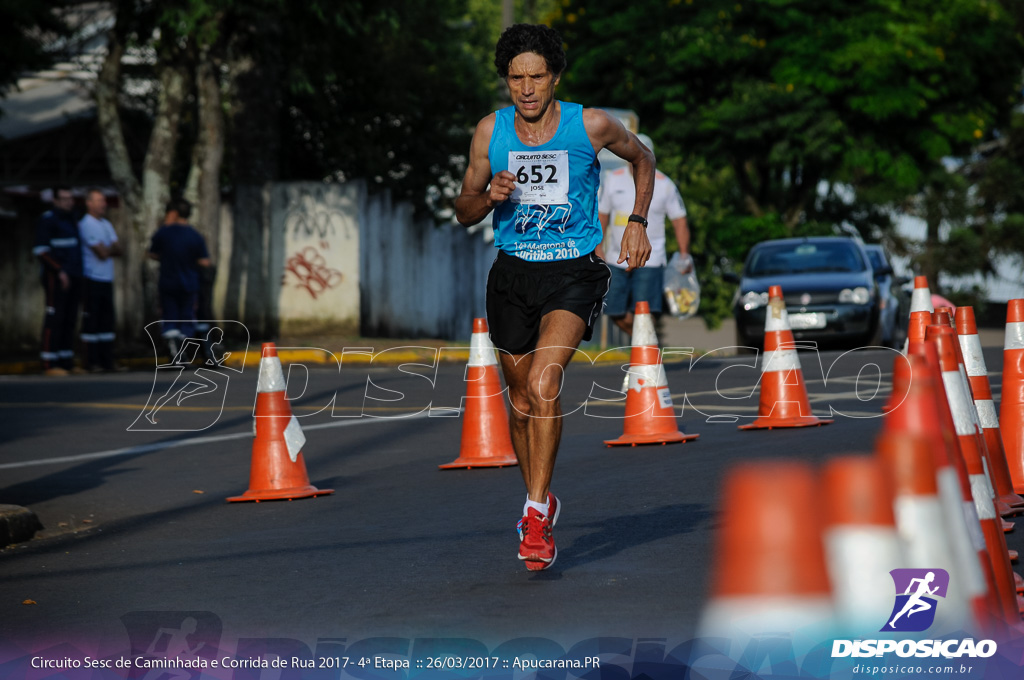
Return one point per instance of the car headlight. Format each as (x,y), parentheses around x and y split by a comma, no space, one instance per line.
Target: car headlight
(753,300)
(858,296)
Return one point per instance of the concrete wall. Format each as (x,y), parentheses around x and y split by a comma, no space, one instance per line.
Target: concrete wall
(353,261)
(315,254)
(419,279)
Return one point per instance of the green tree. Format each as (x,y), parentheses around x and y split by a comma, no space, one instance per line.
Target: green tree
(789,96)
(263,90)
(384,90)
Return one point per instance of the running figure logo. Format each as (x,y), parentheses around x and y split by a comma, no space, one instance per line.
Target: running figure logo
(914,610)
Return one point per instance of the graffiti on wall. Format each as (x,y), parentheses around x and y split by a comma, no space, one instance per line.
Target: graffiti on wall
(315,218)
(308,269)
(316,213)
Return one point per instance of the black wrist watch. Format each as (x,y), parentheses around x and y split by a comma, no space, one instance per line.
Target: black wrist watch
(638,218)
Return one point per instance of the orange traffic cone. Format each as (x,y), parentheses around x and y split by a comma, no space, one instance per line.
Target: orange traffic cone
(921,298)
(922,523)
(977,373)
(486,439)
(650,418)
(769,570)
(861,543)
(278,470)
(981,486)
(923,414)
(944,325)
(783,401)
(920,301)
(1011,406)
(919,322)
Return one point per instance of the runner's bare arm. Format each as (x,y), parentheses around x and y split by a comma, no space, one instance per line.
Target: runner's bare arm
(606,132)
(481,192)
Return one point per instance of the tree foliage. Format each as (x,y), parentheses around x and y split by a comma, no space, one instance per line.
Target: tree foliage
(779,98)
(386,91)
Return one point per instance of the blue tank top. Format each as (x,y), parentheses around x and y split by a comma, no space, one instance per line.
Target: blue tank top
(552,215)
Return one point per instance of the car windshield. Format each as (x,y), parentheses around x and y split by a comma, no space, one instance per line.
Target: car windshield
(805,257)
(877,261)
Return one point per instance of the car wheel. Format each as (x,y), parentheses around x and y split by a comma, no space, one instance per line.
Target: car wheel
(874,339)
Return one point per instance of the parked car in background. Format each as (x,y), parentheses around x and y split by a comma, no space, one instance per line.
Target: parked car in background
(893,299)
(827,283)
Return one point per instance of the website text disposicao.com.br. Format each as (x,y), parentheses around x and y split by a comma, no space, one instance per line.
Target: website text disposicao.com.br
(910,651)
(900,670)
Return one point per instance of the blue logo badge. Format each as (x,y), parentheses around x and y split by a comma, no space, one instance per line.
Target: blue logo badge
(916,591)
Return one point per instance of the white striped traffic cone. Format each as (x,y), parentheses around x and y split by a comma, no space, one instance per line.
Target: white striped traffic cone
(486,438)
(278,470)
(1011,404)
(861,542)
(920,301)
(650,418)
(783,399)
(960,406)
(943,324)
(924,413)
(981,389)
(769,570)
(920,519)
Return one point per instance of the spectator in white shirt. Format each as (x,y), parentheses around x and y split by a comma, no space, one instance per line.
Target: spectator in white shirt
(99,248)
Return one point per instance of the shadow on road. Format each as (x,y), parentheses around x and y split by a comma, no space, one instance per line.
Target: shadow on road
(624,532)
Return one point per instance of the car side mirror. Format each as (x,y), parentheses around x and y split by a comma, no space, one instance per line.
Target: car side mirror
(884,271)
(731,277)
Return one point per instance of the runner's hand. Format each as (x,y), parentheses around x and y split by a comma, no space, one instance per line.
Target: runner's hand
(502,186)
(635,248)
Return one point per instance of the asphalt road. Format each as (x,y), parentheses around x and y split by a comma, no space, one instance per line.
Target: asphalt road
(137,526)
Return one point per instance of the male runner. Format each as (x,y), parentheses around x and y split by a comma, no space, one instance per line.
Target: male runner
(535,164)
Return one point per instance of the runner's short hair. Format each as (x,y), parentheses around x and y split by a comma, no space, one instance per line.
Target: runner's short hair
(537,38)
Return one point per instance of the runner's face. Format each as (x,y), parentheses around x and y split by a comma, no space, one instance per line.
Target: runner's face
(531,85)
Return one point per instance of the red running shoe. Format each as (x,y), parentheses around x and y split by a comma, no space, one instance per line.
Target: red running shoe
(554,507)
(537,545)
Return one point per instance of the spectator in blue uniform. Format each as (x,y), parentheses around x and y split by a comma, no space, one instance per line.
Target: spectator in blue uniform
(59,250)
(182,253)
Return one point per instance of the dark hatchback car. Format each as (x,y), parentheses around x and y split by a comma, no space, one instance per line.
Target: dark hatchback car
(828,285)
(893,300)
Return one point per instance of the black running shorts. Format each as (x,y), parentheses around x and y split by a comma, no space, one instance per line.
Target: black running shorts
(520,293)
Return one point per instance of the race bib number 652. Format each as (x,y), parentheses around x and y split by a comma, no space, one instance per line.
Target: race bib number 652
(542,177)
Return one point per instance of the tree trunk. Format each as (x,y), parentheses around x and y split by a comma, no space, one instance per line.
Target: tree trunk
(256,144)
(208,155)
(143,200)
(747,188)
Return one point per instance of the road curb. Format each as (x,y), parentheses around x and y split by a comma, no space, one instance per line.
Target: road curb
(17,524)
(397,356)
(364,356)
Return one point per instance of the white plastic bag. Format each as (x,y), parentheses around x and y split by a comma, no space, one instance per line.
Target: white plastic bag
(682,289)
